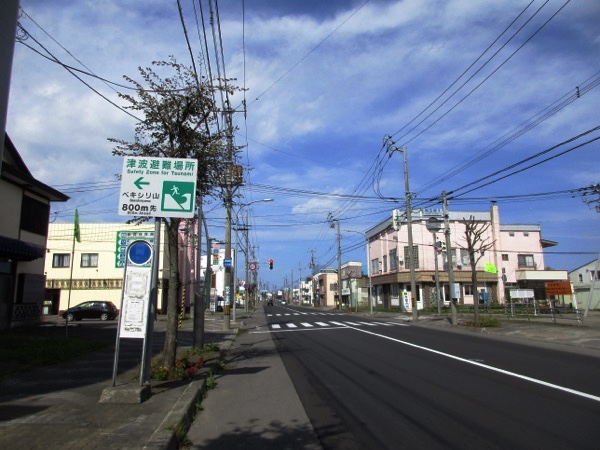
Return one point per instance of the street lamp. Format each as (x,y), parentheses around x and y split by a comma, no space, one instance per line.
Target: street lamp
(368,269)
(434,225)
(241,206)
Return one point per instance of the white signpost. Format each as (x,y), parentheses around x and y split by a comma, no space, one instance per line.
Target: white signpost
(158,187)
(150,187)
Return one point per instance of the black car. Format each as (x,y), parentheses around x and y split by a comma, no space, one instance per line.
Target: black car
(95,309)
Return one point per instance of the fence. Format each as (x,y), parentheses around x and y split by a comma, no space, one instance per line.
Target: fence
(541,309)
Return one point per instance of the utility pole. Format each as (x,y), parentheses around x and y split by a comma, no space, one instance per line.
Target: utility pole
(312,266)
(9,11)
(300,283)
(413,284)
(449,254)
(246,274)
(339,257)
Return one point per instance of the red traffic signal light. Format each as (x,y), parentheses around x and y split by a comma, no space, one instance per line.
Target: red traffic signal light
(271,264)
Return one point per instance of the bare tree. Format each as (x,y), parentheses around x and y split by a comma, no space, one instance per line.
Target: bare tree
(478,242)
(178,118)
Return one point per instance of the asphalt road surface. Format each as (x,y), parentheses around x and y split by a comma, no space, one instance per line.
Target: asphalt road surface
(368,383)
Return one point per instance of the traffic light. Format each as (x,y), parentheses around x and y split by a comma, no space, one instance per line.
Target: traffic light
(271,264)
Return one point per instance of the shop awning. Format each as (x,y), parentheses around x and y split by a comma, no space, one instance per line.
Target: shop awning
(19,250)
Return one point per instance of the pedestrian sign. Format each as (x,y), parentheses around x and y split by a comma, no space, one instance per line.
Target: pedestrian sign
(158,187)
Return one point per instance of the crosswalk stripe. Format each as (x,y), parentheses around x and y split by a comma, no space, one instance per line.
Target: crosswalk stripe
(330,323)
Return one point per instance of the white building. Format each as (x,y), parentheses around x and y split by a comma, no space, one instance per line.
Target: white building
(586,284)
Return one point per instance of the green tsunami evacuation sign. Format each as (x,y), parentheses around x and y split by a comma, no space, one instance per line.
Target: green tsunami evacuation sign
(177,196)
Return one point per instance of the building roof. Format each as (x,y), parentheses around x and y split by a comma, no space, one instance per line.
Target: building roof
(16,172)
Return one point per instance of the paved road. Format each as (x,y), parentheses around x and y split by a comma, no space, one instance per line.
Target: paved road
(379,384)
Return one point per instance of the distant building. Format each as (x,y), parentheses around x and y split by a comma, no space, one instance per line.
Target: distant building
(586,284)
(23,231)
(325,287)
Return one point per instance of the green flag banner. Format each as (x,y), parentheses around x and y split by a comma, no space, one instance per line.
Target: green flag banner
(76,230)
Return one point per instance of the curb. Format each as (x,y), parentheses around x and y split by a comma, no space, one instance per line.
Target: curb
(182,414)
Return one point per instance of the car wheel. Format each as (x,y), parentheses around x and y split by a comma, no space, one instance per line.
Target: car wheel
(70,317)
(104,316)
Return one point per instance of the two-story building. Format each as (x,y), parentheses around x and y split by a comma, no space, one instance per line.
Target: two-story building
(93,268)
(23,230)
(514,259)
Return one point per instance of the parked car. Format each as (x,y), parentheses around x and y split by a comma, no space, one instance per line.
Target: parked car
(95,309)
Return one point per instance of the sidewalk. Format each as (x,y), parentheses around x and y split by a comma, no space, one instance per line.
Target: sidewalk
(254,404)
(58,407)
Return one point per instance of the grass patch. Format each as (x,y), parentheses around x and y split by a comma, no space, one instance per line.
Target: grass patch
(187,363)
(20,352)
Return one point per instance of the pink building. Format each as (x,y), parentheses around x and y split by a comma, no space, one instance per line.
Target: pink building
(514,260)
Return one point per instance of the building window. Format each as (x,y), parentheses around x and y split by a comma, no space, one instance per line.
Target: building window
(394,290)
(580,277)
(385,263)
(393,259)
(511,233)
(375,265)
(526,234)
(415,257)
(464,257)
(89,260)
(504,256)
(61,260)
(526,261)
(468,289)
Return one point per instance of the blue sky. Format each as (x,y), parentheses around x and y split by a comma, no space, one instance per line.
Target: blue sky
(469,88)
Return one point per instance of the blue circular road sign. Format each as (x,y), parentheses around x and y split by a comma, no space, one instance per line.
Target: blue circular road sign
(139,252)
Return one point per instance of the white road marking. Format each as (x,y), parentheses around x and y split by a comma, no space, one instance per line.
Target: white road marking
(485,366)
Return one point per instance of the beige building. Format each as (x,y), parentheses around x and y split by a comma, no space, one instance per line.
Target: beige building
(23,230)
(93,268)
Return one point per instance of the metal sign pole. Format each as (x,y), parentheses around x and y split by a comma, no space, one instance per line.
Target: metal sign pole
(145,371)
(118,340)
